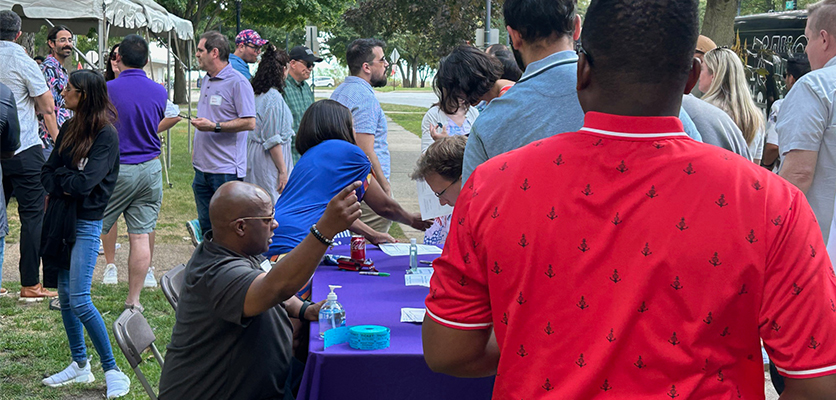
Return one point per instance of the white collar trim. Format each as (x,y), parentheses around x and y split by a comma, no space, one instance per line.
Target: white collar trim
(635,135)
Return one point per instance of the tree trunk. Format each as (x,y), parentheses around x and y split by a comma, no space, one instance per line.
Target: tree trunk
(718,23)
(403,75)
(180,82)
(415,73)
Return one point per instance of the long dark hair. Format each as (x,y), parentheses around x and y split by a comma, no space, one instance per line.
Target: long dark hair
(324,120)
(109,73)
(93,112)
(270,73)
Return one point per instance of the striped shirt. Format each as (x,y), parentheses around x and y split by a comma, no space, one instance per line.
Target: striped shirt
(298,97)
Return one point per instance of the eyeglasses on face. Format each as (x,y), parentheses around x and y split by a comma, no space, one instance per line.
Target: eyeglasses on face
(267,219)
(441,193)
(581,50)
(254,47)
(68,40)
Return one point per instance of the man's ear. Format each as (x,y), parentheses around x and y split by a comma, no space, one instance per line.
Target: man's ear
(17,36)
(584,73)
(693,75)
(578,26)
(514,35)
(828,41)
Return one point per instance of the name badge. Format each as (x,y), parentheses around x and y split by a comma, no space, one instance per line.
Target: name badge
(215,100)
(266,266)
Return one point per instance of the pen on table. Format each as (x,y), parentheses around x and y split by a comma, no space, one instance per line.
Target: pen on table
(374,273)
(426,262)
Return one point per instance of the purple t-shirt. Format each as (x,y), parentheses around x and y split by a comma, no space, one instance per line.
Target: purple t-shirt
(223,98)
(139,115)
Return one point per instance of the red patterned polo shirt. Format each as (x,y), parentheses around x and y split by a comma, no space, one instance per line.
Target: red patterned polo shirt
(627,260)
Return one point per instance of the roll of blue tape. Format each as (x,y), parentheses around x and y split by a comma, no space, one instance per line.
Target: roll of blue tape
(368,337)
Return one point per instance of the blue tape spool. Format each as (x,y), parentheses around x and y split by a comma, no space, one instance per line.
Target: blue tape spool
(368,337)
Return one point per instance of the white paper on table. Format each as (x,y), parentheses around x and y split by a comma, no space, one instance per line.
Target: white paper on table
(428,202)
(417,280)
(413,314)
(402,249)
(424,271)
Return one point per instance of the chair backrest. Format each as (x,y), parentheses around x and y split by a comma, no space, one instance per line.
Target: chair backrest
(171,283)
(133,334)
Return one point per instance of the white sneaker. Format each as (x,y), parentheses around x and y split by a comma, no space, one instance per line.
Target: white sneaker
(118,384)
(150,281)
(110,275)
(72,374)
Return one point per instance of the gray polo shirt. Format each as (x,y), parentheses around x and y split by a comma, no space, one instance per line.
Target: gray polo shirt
(715,126)
(807,121)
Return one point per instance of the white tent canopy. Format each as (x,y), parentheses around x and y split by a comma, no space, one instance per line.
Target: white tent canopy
(122,16)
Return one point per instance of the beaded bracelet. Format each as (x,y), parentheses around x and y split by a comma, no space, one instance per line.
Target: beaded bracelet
(319,236)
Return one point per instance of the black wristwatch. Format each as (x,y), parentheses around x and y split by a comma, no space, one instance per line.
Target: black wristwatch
(217,126)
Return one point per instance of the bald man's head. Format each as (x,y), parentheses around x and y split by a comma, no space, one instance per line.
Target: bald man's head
(242,213)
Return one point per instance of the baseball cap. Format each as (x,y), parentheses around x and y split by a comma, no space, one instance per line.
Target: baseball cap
(249,36)
(303,53)
(704,44)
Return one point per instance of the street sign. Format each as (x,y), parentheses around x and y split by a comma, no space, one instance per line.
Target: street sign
(790,5)
(395,56)
(311,42)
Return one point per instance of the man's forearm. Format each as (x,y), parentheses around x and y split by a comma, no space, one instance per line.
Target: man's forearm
(368,147)
(51,125)
(238,125)
(799,168)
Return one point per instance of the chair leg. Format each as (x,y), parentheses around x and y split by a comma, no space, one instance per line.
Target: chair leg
(144,382)
(157,355)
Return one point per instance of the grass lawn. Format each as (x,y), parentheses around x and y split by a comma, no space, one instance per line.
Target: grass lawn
(33,343)
(408,117)
(388,88)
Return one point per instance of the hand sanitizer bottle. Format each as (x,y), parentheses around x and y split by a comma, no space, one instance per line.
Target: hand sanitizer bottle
(332,313)
(413,256)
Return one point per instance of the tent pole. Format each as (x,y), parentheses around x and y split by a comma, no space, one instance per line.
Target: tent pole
(168,94)
(102,37)
(189,92)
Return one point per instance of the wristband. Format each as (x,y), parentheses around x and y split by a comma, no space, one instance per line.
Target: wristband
(302,310)
(319,236)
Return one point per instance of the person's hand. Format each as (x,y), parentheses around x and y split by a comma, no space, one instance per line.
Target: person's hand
(341,211)
(418,223)
(381,237)
(203,124)
(312,312)
(435,134)
(282,181)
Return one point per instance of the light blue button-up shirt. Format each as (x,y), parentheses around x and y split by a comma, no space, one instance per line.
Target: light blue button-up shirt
(807,121)
(358,95)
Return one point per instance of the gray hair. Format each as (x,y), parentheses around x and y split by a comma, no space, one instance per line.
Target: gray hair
(9,25)
(825,16)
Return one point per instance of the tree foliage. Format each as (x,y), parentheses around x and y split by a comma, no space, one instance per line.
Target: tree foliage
(422,31)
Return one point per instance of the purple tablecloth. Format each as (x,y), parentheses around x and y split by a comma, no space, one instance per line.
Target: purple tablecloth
(398,372)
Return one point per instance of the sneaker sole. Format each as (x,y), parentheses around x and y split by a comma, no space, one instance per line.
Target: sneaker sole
(31,299)
(110,281)
(113,396)
(89,378)
(147,285)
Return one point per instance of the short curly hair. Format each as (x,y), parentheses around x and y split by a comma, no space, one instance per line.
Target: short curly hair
(464,76)
(444,157)
(270,73)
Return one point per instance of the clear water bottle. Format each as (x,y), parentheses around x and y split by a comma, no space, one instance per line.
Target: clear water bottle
(413,256)
(332,313)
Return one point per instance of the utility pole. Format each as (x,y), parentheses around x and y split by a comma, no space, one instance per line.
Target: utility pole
(238,16)
(487,22)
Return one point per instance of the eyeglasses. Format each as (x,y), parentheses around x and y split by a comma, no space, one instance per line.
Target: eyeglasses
(62,40)
(382,60)
(268,219)
(254,47)
(581,50)
(441,193)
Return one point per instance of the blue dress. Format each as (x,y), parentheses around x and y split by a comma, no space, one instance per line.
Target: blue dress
(319,175)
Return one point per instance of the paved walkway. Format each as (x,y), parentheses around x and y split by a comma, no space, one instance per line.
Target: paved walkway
(404,149)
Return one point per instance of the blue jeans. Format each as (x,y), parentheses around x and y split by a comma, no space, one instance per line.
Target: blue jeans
(204,186)
(77,309)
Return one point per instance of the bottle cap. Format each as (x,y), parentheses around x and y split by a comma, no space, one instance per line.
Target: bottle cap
(333,296)
(413,241)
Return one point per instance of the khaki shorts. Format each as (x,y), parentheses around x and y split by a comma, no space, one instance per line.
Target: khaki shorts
(138,195)
(373,220)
